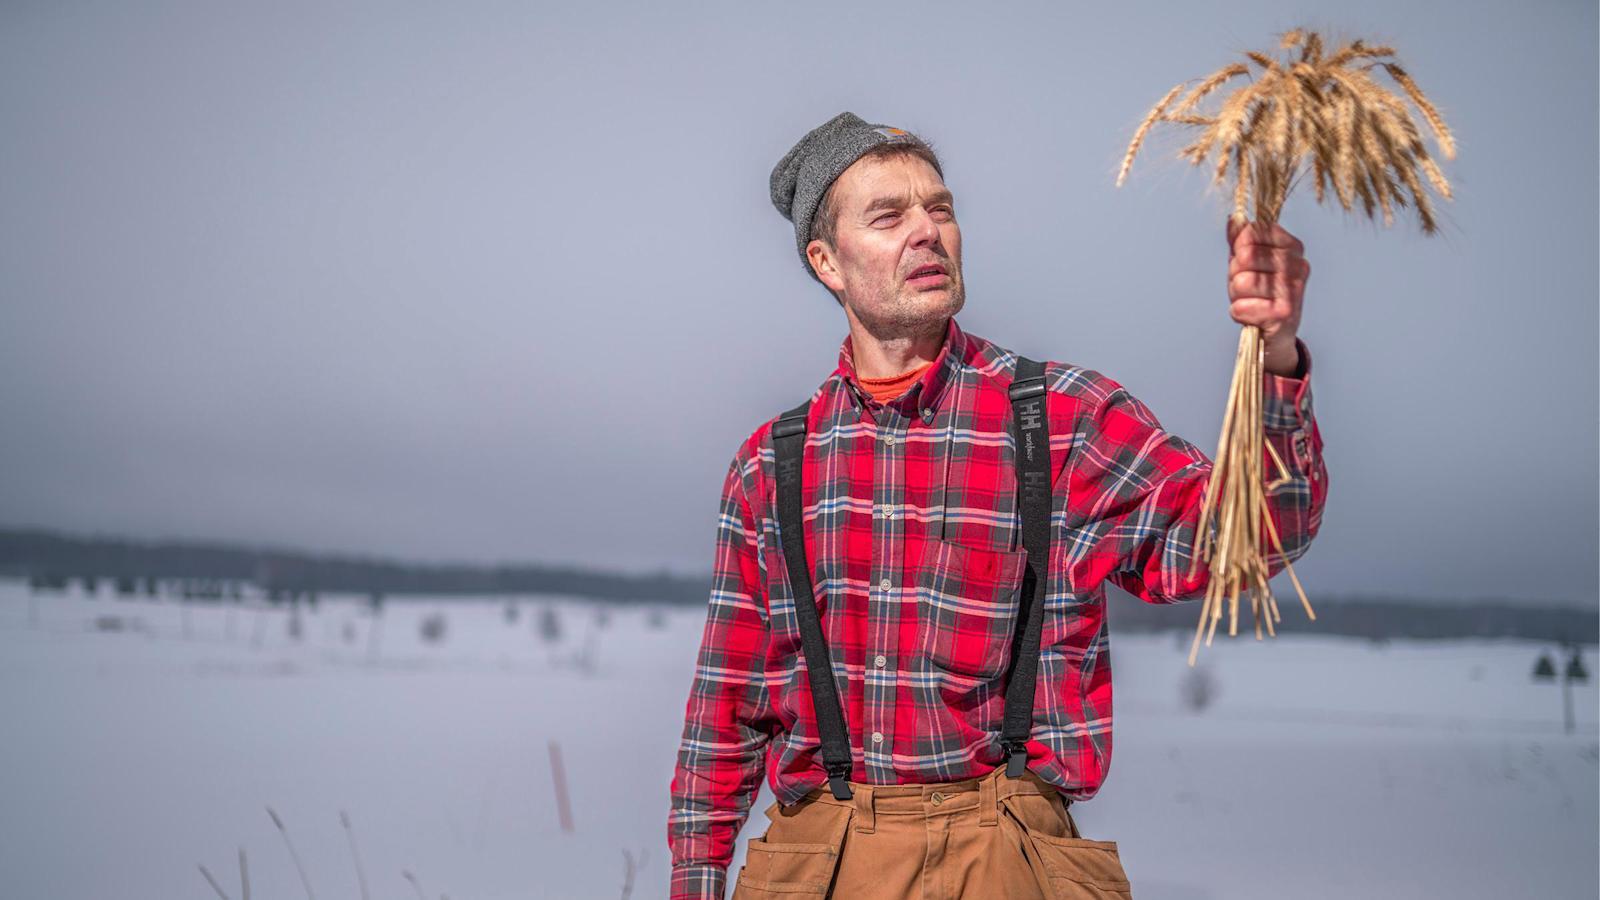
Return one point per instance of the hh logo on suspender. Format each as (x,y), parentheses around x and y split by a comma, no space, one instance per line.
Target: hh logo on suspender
(1030,415)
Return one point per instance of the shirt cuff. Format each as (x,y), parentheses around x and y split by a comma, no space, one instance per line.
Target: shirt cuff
(698,881)
(1285,401)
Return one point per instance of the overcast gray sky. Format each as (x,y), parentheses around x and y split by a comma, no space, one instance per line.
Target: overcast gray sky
(503,281)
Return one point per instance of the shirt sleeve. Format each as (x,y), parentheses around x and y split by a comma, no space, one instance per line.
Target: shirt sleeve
(729,719)
(1135,491)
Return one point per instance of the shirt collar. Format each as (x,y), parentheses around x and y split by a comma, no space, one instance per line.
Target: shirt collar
(924,396)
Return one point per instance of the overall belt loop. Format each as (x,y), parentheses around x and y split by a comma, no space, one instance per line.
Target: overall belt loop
(989,800)
(866,819)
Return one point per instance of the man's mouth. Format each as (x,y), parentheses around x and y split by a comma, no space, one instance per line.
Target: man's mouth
(929,274)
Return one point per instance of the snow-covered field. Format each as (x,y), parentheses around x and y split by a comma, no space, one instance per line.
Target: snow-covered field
(1322,768)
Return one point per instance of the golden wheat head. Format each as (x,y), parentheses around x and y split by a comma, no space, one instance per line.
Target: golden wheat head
(1318,108)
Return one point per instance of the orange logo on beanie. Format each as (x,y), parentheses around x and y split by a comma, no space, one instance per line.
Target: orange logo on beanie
(889,132)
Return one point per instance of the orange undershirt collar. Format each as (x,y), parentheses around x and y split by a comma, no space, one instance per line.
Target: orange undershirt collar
(885,389)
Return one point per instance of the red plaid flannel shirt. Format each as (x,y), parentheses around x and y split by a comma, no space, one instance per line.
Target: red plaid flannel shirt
(913,533)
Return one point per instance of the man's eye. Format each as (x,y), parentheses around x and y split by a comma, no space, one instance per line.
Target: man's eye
(890,215)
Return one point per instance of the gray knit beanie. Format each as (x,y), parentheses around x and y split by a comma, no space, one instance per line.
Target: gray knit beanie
(803,175)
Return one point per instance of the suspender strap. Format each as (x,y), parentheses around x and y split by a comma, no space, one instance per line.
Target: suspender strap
(788,442)
(1031,430)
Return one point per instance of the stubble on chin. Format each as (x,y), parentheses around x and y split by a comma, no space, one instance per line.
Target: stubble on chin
(910,316)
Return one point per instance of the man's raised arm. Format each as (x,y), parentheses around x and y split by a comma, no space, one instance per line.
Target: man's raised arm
(1135,490)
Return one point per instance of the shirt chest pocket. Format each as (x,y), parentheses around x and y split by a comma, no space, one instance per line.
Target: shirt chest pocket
(968,600)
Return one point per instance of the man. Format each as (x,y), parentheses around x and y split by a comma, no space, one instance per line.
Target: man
(912,539)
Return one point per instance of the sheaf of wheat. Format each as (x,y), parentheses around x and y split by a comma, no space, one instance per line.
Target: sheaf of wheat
(1313,113)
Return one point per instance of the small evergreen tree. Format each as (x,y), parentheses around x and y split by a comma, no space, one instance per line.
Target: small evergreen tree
(549,624)
(432,629)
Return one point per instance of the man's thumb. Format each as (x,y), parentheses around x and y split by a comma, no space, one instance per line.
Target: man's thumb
(1234,228)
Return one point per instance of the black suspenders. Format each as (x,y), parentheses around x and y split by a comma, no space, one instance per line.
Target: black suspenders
(1031,432)
(788,442)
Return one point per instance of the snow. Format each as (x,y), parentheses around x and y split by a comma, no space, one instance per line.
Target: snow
(1324,767)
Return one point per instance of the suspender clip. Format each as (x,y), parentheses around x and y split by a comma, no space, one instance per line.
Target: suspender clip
(838,780)
(1016,758)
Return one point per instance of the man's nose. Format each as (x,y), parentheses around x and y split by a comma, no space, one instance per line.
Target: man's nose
(925,230)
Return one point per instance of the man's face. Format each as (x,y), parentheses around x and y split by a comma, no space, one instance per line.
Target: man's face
(895,219)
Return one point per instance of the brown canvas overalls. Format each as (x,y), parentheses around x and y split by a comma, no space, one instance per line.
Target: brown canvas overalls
(990,837)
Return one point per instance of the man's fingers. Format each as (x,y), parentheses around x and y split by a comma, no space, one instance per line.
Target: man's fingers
(1262,285)
(1267,273)
(1252,311)
(1265,258)
(1255,233)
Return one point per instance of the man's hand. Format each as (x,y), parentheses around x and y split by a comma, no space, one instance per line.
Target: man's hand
(1267,273)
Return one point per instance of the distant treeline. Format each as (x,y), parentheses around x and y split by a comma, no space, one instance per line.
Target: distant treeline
(49,558)
(1374,619)
(53,556)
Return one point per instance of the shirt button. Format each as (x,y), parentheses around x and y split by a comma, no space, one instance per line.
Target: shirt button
(888,439)
(927,414)
(880,661)
(884,584)
(877,737)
